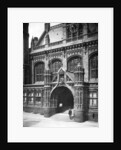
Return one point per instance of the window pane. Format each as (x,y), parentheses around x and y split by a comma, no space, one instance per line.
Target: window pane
(94,95)
(55,66)
(72,63)
(93,74)
(94,102)
(36,70)
(39,94)
(90,95)
(37,77)
(94,66)
(90,102)
(39,69)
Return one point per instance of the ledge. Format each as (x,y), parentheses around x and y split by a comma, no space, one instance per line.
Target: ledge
(63,43)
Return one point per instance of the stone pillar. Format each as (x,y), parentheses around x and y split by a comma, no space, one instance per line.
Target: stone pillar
(64,32)
(48,110)
(47,39)
(64,60)
(85,31)
(23,75)
(32,72)
(79,108)
(46,63)
(85,64)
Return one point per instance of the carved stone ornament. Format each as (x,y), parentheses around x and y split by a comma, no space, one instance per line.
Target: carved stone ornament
(73,28)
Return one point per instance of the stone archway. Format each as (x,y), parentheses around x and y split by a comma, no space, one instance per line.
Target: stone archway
(63,97)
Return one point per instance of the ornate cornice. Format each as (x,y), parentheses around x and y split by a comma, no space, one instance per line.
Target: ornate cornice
(55,55)
(70,47)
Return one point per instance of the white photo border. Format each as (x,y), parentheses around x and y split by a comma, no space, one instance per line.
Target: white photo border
(16,18)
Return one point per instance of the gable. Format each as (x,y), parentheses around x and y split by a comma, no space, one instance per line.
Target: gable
(70,76)
(41,40)
(56,34)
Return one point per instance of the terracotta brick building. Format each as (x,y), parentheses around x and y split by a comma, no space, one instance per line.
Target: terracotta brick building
(61,70)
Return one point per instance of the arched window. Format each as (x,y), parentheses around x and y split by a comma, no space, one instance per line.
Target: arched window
(94,66)
(55,65)
(72,63)
(39,72)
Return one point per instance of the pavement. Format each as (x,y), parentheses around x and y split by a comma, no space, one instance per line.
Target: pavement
(57,120)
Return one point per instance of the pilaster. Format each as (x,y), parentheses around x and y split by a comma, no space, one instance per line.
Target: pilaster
(48,110)
(79,107)
(85,64)
(85,31)
(32,72)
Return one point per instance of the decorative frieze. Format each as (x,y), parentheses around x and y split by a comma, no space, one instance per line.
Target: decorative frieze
(92,48)
(77,51)
(54,55)
(38,58)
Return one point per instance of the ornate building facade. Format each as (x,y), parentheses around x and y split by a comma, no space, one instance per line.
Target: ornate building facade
(63,69)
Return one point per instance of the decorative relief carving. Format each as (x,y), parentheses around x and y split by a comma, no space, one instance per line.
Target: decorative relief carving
(73,28)
(54,55)
(68,78)
(92,49)
(74,52)
(38,58)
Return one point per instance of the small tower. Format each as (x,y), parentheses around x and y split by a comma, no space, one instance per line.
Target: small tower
(34,42)
(26,63)
(79,110)
(47,28)
(48,109)
(47,39)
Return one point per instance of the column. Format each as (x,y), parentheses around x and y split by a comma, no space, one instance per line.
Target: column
(32,72)
(85,64)
(64,60)
(85,31)
(79,108)
(48,110)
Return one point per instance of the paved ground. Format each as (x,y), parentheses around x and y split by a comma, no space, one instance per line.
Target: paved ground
(57,120)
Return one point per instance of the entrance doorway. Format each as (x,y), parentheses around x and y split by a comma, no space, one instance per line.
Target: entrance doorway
(64,99)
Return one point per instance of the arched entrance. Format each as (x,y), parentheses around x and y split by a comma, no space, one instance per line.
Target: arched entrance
(63,97)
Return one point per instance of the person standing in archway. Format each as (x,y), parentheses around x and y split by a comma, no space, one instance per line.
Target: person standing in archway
(70,113)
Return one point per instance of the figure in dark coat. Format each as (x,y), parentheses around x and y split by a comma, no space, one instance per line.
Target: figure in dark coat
(70,113)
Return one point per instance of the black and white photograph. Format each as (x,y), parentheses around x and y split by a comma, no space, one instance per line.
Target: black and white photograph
(60,75)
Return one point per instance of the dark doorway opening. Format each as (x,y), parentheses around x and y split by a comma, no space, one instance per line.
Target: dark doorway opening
(64,99)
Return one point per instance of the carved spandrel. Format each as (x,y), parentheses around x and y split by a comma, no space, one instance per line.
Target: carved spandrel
(74,52)
(54,55)
(92,49)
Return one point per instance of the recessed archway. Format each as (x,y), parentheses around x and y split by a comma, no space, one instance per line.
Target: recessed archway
(63,97)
